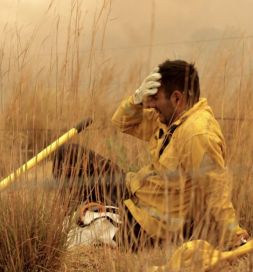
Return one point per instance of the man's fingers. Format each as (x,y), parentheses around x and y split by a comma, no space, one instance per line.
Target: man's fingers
(153,77)
(150,92)
(156,69)
(153,84)
(241,239)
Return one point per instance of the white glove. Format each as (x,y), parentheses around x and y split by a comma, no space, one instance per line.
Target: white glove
(148,87)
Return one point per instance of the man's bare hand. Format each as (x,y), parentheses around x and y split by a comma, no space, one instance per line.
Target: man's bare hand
(240,239)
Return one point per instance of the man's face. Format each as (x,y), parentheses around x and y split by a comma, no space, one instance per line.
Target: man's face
(163,106)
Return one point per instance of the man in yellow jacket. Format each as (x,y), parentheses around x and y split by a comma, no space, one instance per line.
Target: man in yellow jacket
(186,189)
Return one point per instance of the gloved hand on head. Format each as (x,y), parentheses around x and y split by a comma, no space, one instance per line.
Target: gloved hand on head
(148,87)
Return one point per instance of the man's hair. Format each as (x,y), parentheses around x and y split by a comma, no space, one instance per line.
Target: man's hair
(182,76)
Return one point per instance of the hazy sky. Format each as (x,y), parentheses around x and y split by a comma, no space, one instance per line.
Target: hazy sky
(125,32)
(129,22)
(132,29)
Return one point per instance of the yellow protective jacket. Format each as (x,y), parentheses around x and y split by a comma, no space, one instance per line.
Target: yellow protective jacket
(187,181)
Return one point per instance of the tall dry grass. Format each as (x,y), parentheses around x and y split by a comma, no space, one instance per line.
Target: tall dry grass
(32,234)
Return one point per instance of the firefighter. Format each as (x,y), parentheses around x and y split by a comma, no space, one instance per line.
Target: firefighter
(186,190)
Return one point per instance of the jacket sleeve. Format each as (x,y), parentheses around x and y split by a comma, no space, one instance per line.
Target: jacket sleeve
(134,120)
(204,163)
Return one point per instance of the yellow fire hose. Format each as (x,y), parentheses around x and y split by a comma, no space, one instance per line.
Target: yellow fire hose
(44,153)
(199,255)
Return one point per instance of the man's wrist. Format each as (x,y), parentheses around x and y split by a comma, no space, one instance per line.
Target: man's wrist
(131,101)
(137,99)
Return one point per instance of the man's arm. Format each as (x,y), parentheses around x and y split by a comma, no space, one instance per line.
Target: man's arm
(134,120)
(131,117)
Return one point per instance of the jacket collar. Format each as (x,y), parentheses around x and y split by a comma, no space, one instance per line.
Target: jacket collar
(200,105)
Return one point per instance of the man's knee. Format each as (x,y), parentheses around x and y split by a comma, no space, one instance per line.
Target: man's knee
(73,160)
(84,170)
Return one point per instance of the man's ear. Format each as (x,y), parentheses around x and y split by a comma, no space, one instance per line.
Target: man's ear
(176,98)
